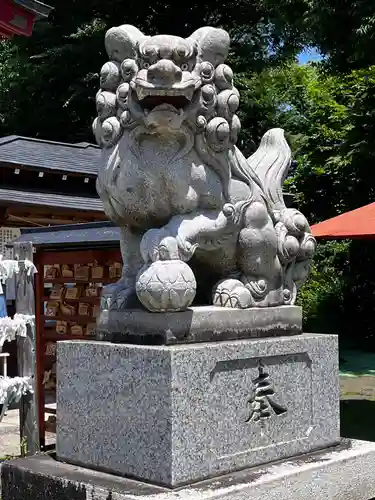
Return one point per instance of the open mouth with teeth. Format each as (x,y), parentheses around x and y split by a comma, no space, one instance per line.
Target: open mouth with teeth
(151,98)
(151,102)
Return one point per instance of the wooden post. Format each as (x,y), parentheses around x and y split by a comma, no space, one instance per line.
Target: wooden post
(26,352)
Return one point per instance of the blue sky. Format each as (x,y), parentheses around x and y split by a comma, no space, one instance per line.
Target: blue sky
(308,55)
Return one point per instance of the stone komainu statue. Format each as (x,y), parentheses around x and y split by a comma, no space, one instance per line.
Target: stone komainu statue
(175,183)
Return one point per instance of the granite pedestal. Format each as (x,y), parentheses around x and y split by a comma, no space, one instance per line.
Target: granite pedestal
(177,414)
(230,420)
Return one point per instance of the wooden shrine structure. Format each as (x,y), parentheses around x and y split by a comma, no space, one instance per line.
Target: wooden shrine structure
(17,17)
(46,183)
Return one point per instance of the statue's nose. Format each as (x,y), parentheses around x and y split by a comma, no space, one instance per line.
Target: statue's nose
(164,72)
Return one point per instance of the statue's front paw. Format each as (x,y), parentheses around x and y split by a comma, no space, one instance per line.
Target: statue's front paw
(118,296)
(231,293)
(150,244)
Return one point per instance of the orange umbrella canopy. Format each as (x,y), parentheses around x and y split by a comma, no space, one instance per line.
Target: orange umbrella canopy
(359,223)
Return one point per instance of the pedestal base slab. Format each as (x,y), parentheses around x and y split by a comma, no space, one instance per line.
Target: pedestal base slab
(198,324)
(340,473)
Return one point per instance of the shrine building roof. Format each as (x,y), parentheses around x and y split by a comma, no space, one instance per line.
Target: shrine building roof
(101,233)
(52,200)
(80,158)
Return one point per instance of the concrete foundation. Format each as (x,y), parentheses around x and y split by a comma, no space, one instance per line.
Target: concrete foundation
(345,472)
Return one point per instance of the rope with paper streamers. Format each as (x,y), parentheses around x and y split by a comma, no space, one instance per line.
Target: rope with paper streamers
(12,389)
(10,328)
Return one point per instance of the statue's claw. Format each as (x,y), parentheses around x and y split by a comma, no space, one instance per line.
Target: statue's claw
(118,296)
(231,293)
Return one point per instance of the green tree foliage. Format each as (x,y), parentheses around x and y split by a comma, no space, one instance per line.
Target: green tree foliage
(303,101)
(328,111)
(330,124)
(323,296)
(336,154)
(344,30)
(53,95)
(335,174)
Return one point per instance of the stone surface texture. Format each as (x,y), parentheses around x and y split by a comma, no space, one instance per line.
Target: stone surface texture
(198,324)
(341,473)
(197,217)
(177,414)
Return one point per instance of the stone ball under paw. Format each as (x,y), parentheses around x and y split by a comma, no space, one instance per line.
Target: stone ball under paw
(166,285)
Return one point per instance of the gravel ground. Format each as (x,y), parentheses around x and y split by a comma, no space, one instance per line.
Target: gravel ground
(9,434)
(10,437)
(358,407)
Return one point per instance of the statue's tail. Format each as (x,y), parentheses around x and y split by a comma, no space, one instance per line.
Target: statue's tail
(271,162)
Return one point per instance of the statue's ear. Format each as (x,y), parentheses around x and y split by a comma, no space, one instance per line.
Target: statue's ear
(121,42)
(212,44)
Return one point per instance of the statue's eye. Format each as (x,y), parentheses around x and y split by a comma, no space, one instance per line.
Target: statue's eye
(145,65)
(185,67)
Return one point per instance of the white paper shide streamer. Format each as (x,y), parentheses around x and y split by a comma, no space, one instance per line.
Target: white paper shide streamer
(10,328)
(12,389)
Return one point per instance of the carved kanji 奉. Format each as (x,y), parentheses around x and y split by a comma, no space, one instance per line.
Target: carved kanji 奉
(175,182)
(262,405)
